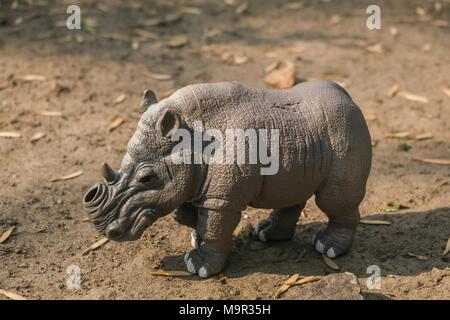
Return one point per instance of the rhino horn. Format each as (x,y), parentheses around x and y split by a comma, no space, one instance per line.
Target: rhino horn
(108,173)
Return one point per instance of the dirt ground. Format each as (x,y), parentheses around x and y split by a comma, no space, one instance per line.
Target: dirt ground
(82,75)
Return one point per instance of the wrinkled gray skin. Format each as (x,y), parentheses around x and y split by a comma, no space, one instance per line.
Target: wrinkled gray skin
(325,150)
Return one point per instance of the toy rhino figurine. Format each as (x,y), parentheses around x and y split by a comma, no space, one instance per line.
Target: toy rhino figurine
(324,149)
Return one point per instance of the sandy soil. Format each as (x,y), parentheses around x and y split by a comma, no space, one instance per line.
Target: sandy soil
(84,74)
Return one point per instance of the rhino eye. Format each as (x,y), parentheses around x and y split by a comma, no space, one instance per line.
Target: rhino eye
(147,178)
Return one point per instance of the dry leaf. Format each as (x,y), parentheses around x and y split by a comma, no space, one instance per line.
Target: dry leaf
(418,256)
(68,177)
(18,21)
(420,11)
(294,5)
(440,23)
(172,18)
(447,248)
(5,235)
(286,285)
(433,161)
(423,136)
(116,123)
(226,56)
(102,7)
(336,19)
(330,262)
(445,91)
(59,88)
(282,77)
(291,282)
(413,97)
(120,99)
(191,10)
(298,48)
(12,295)
(135,45)
(146,34)
(159,76)
(393,90)
(376,48)
(239,59)
(272,66)
(95,246)
(37,136)
(307,279)
(9,134)
(394,207)
(393,31)
(31,77)
(242,8)
(399,135)
(221,278)
(171,273)
(271,54)
(375,222)
(86,219)
(50,113)
(426,47)
(231,3)
(178,41)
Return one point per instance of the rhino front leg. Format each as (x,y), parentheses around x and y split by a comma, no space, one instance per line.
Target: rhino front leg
(187,215)
(215,229)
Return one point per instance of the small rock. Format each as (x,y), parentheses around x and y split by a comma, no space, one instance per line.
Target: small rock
(336,286)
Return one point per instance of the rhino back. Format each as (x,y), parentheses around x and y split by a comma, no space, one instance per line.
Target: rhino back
(313,119)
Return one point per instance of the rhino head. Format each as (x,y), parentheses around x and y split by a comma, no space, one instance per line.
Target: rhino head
(148,185)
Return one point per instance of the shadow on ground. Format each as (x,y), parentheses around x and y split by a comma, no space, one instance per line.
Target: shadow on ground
(390,247)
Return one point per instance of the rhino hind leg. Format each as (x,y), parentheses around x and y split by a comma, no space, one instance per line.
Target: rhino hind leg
(280,225)
(340,202)
(337,238)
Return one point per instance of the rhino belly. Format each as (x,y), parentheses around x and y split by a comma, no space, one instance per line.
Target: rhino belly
(286,189)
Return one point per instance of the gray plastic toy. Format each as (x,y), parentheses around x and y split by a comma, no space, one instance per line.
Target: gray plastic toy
(324,149)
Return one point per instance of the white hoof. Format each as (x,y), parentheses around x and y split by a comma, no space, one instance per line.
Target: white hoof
(190,266)
(331,253)
(319,246)
(203,272)
(186,257)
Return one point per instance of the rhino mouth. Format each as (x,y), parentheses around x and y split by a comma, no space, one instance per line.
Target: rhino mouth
(132,226)
(112,216)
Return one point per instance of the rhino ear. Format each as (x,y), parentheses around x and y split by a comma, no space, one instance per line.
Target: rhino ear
(148,98)
(168,123)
